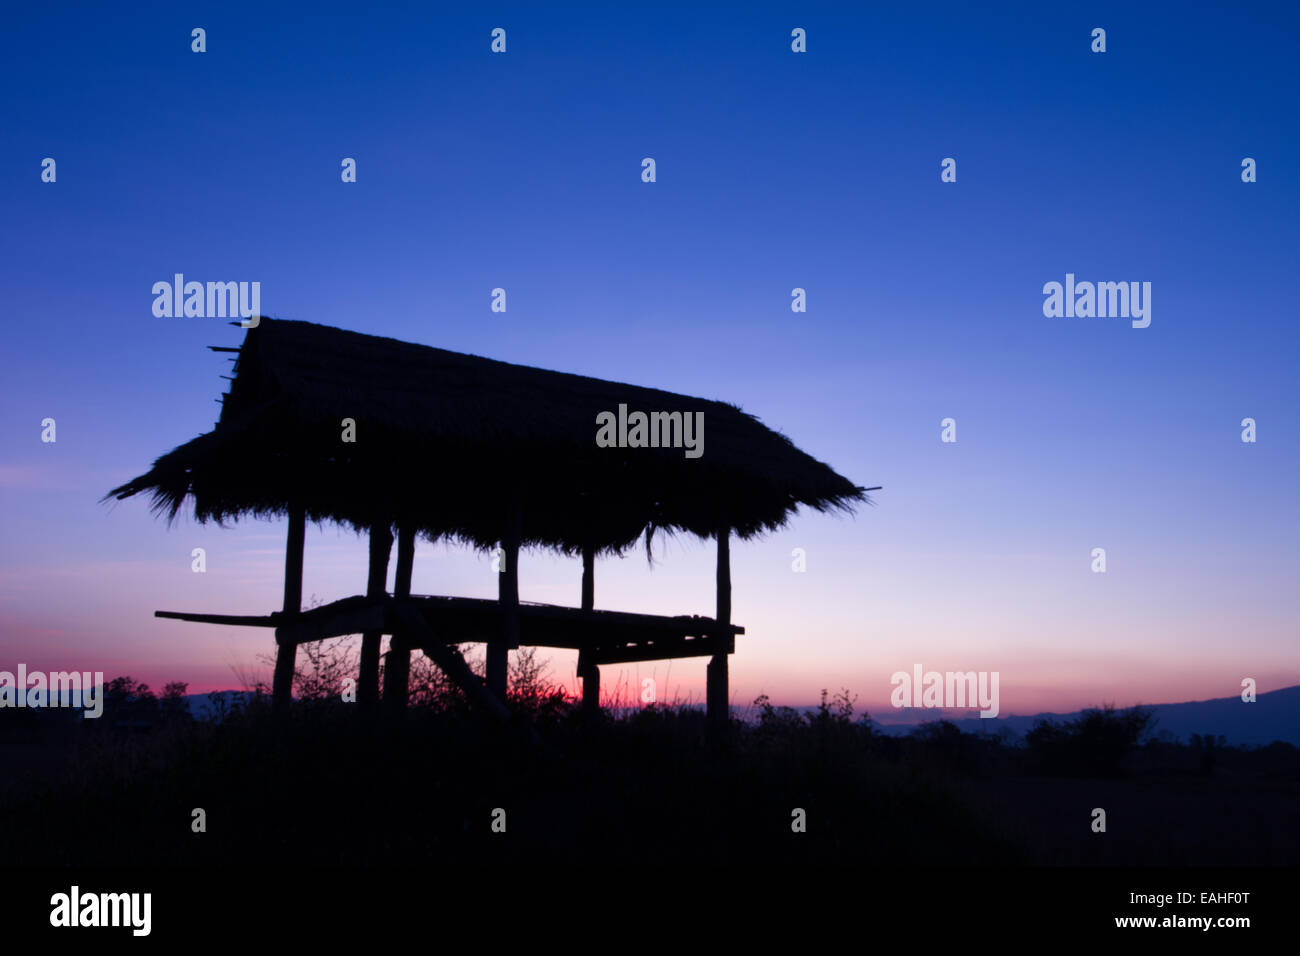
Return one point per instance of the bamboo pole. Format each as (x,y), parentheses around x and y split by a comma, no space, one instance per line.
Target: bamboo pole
(381,546)
(397,670)
(588,670)
(716,693)
(282,682)
(508,595)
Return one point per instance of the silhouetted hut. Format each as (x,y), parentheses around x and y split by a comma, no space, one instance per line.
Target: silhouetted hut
(388,437)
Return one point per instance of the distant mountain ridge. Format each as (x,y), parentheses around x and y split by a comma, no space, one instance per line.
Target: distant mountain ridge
(1274,715)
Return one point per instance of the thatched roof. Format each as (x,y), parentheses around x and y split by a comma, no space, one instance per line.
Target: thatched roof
(445,440)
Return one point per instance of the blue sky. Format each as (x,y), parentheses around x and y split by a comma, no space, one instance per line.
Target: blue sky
(775,170)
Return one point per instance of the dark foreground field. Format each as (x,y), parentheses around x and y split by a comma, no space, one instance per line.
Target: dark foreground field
(331,785)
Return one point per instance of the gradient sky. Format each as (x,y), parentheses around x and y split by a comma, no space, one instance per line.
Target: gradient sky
(775,170)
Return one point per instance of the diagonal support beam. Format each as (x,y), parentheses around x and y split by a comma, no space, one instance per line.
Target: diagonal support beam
(417,633)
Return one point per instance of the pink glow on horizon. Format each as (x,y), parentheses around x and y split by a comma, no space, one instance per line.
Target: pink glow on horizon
(861,612)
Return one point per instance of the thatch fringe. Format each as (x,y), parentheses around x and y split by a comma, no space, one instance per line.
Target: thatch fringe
(445,440)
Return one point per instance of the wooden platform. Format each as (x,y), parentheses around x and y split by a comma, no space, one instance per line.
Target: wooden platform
(602,637)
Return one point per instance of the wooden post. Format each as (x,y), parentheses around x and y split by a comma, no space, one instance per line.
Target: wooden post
(397,672)
(381,545)
(716,693)
(508,595)
(285,654)
(589,672)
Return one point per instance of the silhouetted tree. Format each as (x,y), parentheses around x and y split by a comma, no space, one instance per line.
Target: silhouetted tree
(129,704)
(172,705)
